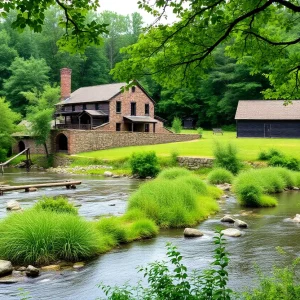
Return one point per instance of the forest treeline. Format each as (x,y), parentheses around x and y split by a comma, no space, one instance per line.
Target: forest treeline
(29,62)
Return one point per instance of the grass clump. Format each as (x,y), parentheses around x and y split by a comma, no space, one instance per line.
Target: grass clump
(174,200)
(250,186)
(226,157)
(58,205)
(219,176)
(41,237)
(173,173)
(144,164)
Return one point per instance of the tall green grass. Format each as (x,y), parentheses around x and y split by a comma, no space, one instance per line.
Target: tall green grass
(175,199)
(42,237)
(250,186)
(219,176)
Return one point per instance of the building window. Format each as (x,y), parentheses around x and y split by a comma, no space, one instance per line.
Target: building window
(133,109)
(147,109)
(96,106)
(73,107)
(146,127)
(133,89)
(62,108)
(118,107)
(118,126)
(84,106)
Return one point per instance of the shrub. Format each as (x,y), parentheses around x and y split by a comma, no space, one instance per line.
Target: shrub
(277,161)
(172,203)
(226,157)
(200,131)
(58,205)
(174,158)
(178,282)
(268,154)
(231,127)
(42,237)
(143,228)
(173,173)
(219,175)
(249,194)
(144,164)
(292,163)
(263,155)
(177,125)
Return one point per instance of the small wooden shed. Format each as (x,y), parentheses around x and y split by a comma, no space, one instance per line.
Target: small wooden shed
(268,119)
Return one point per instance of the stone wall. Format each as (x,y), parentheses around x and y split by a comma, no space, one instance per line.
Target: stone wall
(191,162)
(30,143)
(91,140)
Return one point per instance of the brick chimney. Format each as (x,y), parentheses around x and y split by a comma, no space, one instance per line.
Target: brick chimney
(65,83)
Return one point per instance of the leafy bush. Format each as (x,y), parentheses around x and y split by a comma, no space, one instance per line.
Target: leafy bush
(263,155)
(58,205)
(231,127)
(281,284)
(174,200)
(219,175)
(41,237)
(226,157)
(173,173)
(174,158)
(144,164)
(178,283)
(200,131)
(177,125)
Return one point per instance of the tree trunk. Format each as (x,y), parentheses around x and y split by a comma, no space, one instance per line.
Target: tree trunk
(46,150)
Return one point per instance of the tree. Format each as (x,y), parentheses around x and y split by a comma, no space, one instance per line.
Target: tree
(7,127)
(26,75)
(78,32)
(40,112)
(259,33)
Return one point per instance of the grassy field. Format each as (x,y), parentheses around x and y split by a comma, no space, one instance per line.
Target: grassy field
(248,147)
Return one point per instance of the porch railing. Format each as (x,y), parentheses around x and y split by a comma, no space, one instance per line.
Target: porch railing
(74,126)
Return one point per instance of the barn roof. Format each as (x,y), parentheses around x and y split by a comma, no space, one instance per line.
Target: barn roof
(267,110)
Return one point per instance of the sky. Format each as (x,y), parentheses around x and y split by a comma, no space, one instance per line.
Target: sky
(125,7)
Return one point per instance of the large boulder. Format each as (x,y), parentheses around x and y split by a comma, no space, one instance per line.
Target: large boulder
(5,267)
(231,232)
(192,232)
(228,219)
(32,271)
(240,223)
(13,205)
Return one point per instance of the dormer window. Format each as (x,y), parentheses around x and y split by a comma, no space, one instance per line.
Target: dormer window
(133,89)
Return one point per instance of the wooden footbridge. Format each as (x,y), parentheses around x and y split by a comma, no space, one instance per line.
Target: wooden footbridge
(29,187)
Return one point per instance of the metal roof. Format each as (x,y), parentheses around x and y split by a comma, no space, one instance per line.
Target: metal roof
(267,110)
(140,119)
(96,93)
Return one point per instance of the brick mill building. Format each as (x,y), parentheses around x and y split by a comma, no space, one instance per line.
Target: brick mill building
(106,108)
(101,117)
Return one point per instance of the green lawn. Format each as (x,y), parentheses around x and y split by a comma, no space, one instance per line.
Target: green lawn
(248,147)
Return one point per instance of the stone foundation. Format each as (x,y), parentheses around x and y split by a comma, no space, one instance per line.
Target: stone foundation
(92,140)
(194,163)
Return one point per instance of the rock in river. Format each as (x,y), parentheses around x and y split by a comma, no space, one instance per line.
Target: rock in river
(32,271)
(240,223)
(231,232)
(228,219)
(296,218)
(13,205)
(108,174)
(51,268)
(192,232)
(5,267)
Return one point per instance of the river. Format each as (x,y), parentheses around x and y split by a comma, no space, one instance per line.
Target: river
(268,228)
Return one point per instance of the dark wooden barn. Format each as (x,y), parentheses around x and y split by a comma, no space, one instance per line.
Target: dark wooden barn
(188,123)
(268,119)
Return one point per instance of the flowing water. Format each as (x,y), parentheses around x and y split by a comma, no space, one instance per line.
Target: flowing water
(268,228)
